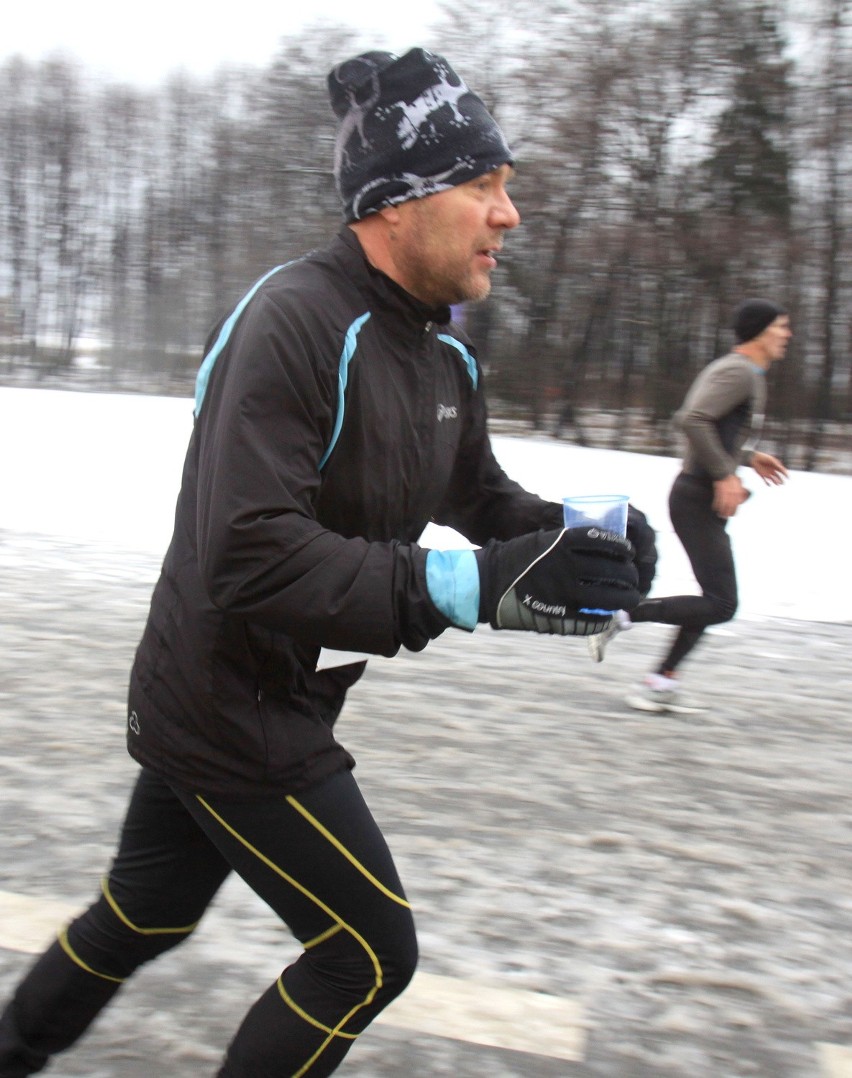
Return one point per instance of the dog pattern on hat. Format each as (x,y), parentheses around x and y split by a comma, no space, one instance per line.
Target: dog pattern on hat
(418,113)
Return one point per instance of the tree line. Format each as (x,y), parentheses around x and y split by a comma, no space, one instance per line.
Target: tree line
(672,158)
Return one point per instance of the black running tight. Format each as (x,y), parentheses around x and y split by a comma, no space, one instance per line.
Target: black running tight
(704,536)
(317,859)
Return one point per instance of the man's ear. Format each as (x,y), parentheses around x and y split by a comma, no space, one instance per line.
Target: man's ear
(390,214)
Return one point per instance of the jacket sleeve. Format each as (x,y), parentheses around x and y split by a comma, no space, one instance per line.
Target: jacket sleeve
(482,502)
(267,418)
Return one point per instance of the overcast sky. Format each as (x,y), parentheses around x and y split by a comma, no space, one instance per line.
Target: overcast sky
(143,42)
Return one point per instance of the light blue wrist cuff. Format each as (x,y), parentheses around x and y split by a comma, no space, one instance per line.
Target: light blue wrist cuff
(452,577)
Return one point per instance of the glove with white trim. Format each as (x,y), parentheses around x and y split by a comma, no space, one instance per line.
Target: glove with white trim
(567,582)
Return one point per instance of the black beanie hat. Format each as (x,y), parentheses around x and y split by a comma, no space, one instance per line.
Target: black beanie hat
(753,316)
(409,127)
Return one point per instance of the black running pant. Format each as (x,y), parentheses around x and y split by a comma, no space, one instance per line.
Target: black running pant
(705,539)
(318,859)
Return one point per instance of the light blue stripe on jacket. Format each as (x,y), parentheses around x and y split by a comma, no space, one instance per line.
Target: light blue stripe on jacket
(203,376)
(350,343)
(467,358)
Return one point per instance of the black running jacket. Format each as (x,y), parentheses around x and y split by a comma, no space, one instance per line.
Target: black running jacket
(335,417)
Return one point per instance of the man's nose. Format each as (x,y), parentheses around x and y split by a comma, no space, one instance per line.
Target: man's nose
(505,213)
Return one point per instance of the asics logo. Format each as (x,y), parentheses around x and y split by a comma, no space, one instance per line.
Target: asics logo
(447,411)
(133,722)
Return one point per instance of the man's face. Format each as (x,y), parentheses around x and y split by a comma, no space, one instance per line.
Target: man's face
(776,337)
(444,246)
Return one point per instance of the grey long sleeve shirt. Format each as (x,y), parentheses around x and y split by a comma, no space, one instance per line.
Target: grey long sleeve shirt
(722,409)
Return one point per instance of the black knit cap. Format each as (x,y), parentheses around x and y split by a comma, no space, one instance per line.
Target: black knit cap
(753,316)
(409,127)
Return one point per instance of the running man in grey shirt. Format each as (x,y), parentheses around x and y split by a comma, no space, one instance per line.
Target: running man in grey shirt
(721,418)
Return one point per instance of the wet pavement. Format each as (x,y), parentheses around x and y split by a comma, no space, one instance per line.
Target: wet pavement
(685,881)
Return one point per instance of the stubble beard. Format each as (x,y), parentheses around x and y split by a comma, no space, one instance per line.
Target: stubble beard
(435,282)
(445,289)
(470,286)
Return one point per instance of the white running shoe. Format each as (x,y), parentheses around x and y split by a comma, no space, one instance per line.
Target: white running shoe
(597,644)
(662,694)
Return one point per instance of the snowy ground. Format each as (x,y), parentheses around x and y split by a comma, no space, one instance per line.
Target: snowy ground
(683,884)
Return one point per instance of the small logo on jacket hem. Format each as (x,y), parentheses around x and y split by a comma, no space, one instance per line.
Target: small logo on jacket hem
(133,722)
(447,411)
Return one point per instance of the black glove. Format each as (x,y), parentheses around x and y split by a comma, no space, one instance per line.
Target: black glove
(563,581)
(643,537)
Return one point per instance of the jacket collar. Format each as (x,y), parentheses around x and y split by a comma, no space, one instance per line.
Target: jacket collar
(386,291)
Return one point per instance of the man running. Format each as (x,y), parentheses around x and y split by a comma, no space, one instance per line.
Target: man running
(338,411)
(721,418)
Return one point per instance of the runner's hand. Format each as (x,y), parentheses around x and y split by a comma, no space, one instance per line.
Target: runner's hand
(566,582)
(728,495)
(769,468)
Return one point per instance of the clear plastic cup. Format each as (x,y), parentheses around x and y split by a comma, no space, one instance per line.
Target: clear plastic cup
(607,511)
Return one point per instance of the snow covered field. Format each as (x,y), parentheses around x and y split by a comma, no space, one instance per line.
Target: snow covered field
(105,468)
